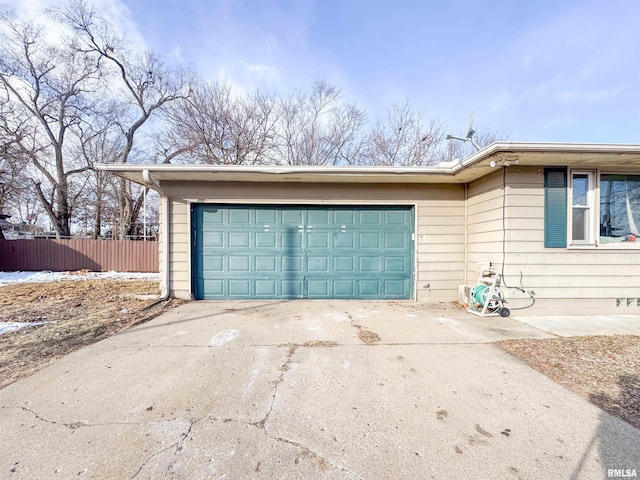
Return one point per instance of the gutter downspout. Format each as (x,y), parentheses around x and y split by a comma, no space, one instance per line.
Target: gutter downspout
(165,222)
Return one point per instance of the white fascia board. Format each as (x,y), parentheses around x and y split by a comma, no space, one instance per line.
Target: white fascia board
(375,172)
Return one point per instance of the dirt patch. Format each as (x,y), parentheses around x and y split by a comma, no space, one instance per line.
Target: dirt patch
(367,336)
(78,313)
(605,369)
(295,346)
(320,343)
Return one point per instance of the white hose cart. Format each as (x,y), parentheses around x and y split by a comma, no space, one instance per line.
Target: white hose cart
(486,298)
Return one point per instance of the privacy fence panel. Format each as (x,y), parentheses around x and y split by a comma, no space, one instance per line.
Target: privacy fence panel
(70,255)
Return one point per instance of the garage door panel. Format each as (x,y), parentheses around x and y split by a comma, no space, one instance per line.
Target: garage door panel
(212,288)
(292,217)
(318,288)
(211,218)
(292,289)
(302,252)
(238,288)
(344,264)
(344,240)
(395,240)
(368,288)
(213,239)
(239,263)
(344,217)
(394,287)
(369,240)
(317,240)
(239,216)
(266,240)
(292,239)
(396,218)
(318,217)
(369,217)
(239,239)
(266,264)
(266,217)
(318,264)
(213,263)
(292,264)
(344,288)
(266,288)
(395,264)
(369,264)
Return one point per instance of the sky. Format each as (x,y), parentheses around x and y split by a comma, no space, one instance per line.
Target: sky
(533,70)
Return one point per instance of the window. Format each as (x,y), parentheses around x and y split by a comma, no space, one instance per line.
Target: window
(591,209)
(582,207)
(619,208)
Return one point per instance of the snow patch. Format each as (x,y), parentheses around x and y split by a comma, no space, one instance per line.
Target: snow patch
(410,315)
(225,336)
(11,278)
(6,327)
(346,365)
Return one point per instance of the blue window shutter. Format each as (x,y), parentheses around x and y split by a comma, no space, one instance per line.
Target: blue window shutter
(555,207)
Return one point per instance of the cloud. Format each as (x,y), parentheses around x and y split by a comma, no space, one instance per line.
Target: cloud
(115,11)
(558,122)
(602,95)
(500,102)
(262,72)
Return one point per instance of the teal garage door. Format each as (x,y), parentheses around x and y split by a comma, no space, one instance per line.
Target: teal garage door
(242,252)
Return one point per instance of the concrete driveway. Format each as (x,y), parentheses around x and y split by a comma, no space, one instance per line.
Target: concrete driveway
(291,390)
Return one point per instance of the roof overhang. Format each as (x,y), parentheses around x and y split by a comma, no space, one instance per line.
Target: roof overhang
(500,154)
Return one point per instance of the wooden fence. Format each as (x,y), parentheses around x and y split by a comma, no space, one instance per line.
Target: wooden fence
(71,255)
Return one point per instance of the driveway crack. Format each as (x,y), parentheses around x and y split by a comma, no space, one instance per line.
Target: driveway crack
(70,426)
(304,452)
(365,335)
(76,425)
(177,445)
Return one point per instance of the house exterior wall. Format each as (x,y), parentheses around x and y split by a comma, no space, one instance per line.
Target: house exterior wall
(484,223)
(573,280)
(439,225)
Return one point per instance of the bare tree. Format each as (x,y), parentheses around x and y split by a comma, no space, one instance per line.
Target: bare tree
(9,162)
(48,87)
(404,138)
(215,126)
(316,128)
(100,141)
(140,83)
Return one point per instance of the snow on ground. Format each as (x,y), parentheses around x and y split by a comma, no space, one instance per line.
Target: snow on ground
(11,326)
(10,278)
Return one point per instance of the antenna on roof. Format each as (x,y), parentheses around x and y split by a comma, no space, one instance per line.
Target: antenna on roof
(469,136)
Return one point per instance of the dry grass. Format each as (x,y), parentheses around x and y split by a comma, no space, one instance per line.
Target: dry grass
(79,312)
(605,369)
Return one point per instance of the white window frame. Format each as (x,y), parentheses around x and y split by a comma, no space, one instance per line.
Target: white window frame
(592,176)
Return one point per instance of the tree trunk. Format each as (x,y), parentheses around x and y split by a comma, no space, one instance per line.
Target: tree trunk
(97,220)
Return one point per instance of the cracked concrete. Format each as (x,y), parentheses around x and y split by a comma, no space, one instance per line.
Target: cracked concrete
(291,390)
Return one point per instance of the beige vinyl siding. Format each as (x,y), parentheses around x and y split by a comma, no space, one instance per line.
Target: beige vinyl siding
(484,223)
(566,280)
(439,223)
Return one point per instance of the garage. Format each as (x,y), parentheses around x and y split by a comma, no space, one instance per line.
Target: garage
(302,251)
